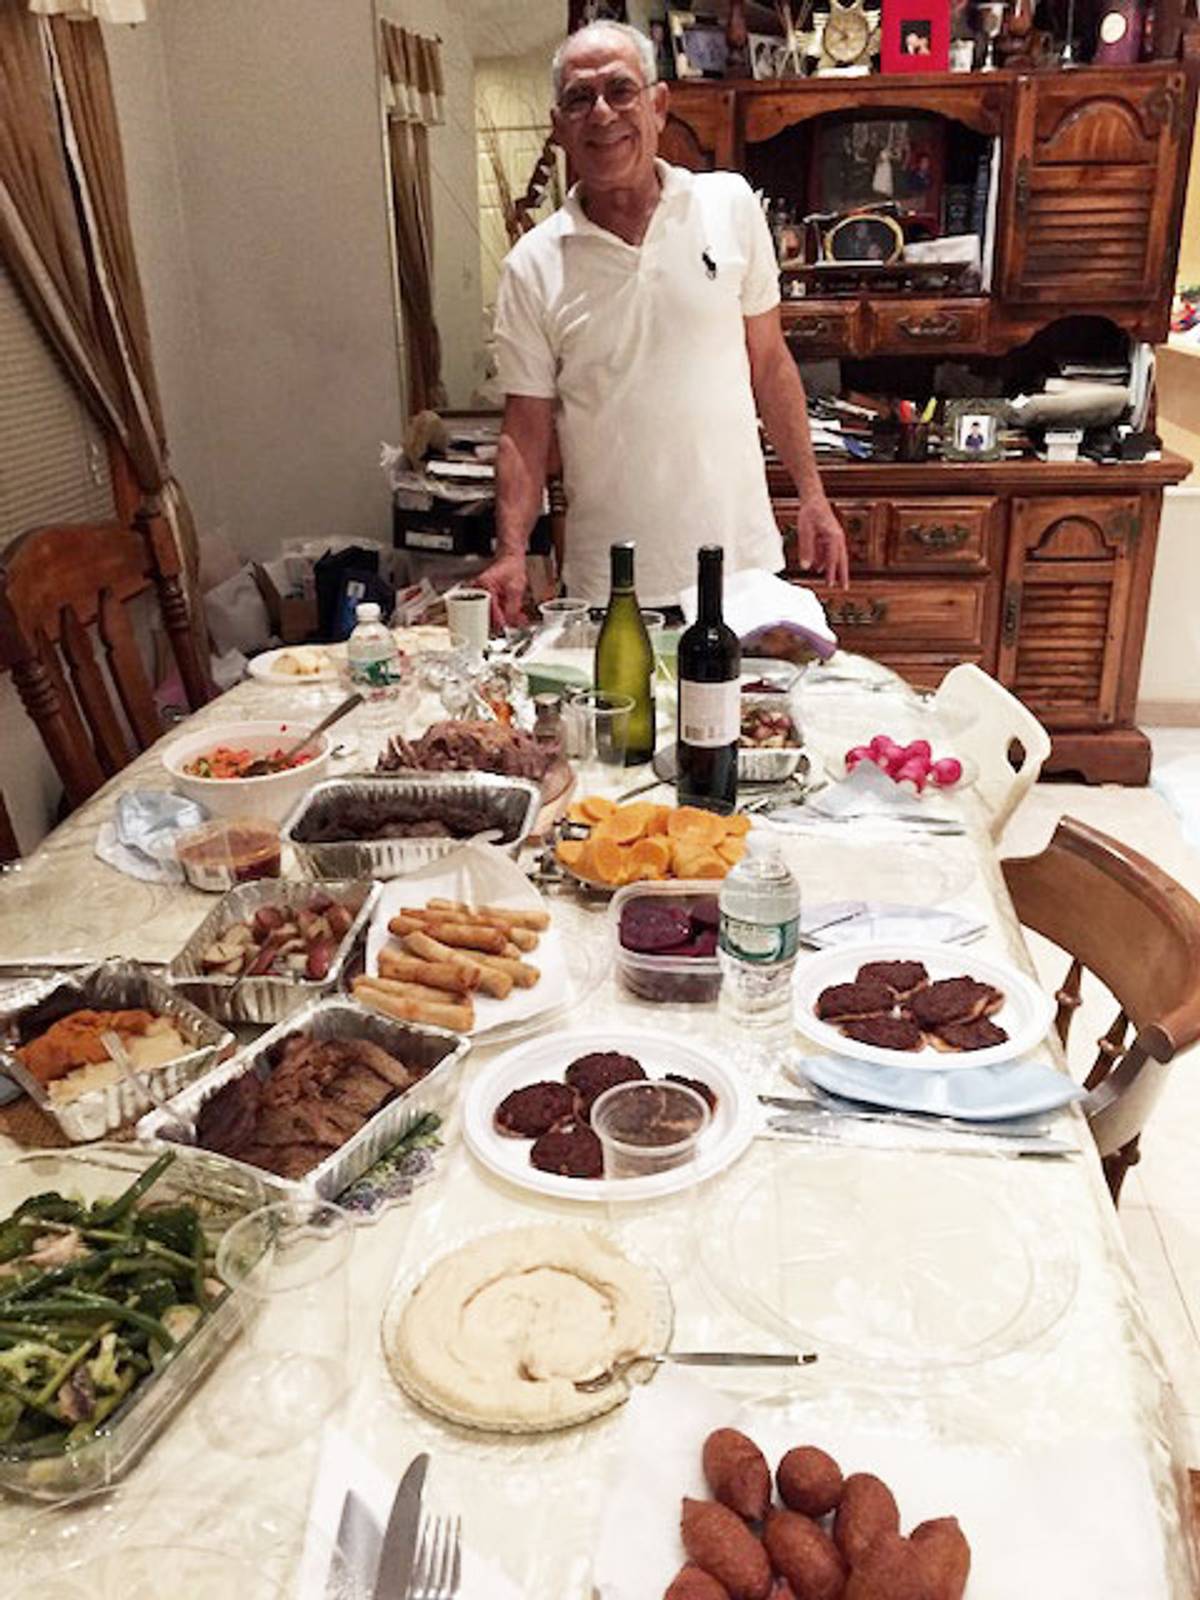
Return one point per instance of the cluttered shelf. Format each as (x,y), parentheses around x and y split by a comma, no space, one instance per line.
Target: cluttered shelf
(984,477)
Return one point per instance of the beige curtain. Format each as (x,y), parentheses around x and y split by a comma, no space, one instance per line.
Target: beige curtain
(92,10)
(65,231)
(415,98)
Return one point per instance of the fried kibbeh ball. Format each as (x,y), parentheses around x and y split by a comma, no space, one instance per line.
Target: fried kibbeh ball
(529,1112)
(804,1554)
(809,1480)
(953,1000)
(842,1002)
(866,1510)
(944,1556)
(889,1569)
(976,1035)
(717,1540)
(902,977)
(571,1150)
(693,1583)
(891,1033)
(705,1090)
(737,1473)
(592,1074)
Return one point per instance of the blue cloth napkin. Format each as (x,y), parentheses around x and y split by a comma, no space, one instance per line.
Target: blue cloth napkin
(979,1094)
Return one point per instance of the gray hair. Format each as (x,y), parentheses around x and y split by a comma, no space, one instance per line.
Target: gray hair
(634,36)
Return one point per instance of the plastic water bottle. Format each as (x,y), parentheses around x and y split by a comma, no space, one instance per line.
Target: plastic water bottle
(759,937)
(372,655)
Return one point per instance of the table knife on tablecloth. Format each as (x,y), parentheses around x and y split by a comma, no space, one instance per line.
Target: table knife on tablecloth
(400,1537)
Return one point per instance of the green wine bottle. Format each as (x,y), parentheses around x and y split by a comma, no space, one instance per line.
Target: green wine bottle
(625,657)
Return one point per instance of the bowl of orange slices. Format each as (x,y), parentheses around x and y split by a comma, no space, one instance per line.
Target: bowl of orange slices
(609,845)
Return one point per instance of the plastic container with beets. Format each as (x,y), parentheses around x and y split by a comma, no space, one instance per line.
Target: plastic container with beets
(664,939)
(217,856)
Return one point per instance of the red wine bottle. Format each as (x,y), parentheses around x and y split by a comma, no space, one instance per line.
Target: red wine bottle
(709,727)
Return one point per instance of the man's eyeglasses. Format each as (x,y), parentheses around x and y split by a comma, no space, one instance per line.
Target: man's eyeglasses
(619,94)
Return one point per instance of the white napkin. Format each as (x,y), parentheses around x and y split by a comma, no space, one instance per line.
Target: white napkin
(754,599)
(869,792)
(1031,1516)
(856,921)
(139,840)
(341,1466)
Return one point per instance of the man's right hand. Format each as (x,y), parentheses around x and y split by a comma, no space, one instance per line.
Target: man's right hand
(505,580)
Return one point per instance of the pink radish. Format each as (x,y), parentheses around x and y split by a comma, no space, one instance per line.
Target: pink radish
(946,770)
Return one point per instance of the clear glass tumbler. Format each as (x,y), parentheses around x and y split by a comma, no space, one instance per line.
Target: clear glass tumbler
(597,732)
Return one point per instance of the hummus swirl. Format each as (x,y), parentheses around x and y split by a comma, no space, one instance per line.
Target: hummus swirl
(499,1331)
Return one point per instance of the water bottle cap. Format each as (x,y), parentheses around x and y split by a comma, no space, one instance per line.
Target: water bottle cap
(367,611)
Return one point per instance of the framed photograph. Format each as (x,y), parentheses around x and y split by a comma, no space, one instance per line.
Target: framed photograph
(766,55)
(864,237)
(915,36)
(971,430)
(789,245)
(699,44)
(862,161)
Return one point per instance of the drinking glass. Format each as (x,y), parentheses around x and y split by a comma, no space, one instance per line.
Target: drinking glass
(566,622)
(597,730)
(468,615)
(287,1264)
(646,1128)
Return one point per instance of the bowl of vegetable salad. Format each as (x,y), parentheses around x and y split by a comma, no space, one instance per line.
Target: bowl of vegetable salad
(211,766)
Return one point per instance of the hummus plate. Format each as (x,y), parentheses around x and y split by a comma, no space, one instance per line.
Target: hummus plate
(496,1332)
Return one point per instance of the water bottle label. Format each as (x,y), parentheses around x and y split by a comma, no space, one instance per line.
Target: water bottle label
(709,713)
(760,943)
(372,674)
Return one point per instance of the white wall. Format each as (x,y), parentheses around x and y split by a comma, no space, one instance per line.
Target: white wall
(1169,690)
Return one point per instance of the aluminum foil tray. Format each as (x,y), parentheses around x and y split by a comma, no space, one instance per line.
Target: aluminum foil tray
(108,986)
(508,803)
(770,764)
(331,1019)
(268,999)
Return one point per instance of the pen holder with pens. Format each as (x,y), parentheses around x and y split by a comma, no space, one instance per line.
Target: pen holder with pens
(913,441)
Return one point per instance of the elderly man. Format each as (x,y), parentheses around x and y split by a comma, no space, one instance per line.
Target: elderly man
(643,319)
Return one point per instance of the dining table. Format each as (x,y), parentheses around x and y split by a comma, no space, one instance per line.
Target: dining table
(974,1313)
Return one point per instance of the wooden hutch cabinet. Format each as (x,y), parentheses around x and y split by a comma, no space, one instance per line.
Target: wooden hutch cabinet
(1038,572)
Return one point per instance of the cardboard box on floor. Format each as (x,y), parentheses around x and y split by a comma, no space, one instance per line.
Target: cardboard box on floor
(293,616)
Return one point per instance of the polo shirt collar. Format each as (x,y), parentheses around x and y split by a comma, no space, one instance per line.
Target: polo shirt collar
(676,182)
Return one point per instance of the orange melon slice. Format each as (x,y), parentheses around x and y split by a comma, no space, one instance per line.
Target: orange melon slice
(696,826)
(595,807)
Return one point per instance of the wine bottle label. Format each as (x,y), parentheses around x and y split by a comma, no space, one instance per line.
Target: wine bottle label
(759,943)
(709,713)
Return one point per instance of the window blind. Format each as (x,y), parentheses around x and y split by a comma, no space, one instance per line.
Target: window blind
(53,459)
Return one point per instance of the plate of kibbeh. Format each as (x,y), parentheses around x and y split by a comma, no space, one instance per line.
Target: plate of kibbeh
(526,1117)
(928,1006)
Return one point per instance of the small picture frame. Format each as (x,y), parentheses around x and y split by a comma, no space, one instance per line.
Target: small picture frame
(864,237)
(915,36)
(971,430)
(699,44)
(766,55)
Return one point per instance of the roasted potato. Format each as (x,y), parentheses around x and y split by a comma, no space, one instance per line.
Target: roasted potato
(805,1555)
(809,1480)
(717,1540)
(890,1569)
(693,1583)
(867,1509)
(944,1556)
(737,1473)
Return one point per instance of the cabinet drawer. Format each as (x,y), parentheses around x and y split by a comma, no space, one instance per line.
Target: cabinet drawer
(939,533)
(929,325)
(923,615)
(857,517)
(817,327)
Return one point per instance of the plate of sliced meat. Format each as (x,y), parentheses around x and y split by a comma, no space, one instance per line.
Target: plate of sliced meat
(927,1006)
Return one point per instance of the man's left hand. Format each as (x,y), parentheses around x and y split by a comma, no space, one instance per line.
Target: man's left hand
(821,542)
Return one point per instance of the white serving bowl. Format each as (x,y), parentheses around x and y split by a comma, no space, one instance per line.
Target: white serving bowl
(271,796)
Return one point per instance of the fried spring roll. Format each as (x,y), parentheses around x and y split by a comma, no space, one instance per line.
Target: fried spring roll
(499,916)
(440,915)
(460,1019)
(462,935)
(455,977)
(521,973)
(491,980)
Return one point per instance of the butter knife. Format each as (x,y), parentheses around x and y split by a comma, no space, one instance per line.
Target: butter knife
(819,1123)
(399,1549)
(825,1102)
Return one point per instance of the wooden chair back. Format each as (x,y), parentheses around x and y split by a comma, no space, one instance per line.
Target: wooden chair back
(55,583)
(9,848)
(1000,735)
(1121,918)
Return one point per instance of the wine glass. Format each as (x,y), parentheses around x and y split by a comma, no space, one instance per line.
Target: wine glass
(991,20)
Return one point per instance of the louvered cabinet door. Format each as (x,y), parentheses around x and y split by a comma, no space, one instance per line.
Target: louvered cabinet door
(1065,607)
(699,130)
(1090,184)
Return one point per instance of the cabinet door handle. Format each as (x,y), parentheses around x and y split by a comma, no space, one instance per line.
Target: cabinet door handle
(851,615)
(1022,186)
(938,325)
(935,536)
(810,328)
(1012,613)
(853,523)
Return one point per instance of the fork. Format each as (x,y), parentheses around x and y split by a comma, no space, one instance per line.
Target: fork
(437,1571)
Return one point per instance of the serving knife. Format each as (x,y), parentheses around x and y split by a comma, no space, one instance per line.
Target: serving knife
(820,1121)
(399,1550)
(824,1100)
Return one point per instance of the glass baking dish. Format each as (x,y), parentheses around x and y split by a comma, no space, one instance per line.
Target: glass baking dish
(223,1194)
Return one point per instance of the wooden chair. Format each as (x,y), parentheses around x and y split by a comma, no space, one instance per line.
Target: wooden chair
(1119,917)
(54,584)
(10,850)
(1002,736)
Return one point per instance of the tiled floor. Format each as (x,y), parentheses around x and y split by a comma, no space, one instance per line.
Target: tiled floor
(1160,1203)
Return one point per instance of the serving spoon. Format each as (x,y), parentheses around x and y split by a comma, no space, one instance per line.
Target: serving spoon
(143,1083)
(695,1358)
(259,768)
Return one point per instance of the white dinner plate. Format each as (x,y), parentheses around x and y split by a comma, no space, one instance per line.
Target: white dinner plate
(265,667)
(1025,1016)
(727,1135)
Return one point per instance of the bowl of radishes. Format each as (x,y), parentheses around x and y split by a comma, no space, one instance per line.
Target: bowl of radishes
(912,766)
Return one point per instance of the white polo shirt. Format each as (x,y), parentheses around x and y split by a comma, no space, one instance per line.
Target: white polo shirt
(643,348)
